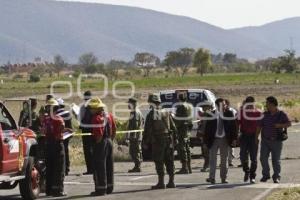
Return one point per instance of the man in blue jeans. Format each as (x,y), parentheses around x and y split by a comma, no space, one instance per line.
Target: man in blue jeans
(249,117)
(271,124)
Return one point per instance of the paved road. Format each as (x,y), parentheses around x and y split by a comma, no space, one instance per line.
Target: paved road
(136,186)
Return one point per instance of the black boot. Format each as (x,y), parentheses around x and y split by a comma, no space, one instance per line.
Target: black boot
(205,167)
(136,169)
(184,169)
(171,183)
(160,184)
(246,177)
(189,167)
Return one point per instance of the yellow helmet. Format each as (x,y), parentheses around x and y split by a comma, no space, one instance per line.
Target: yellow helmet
(52,102)
(96,103)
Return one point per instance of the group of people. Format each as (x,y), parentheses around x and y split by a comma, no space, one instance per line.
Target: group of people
(53,121)
(220,128)
(227,130)
(50,123)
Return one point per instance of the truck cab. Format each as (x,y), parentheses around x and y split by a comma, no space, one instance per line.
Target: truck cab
(9,143)
(18,163)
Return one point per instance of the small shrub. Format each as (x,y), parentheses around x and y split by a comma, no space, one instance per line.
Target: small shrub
(121,137)
(76,74)
(34,78)
(289,103)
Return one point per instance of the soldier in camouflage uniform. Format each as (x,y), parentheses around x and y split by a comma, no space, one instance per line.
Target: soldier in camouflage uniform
(136,122)
(160,132)
(184,125)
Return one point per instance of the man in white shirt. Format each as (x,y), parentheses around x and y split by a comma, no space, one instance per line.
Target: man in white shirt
(220,133)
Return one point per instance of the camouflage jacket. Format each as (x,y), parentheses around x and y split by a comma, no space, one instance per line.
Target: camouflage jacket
(159,124)
(135,122)
(183,116)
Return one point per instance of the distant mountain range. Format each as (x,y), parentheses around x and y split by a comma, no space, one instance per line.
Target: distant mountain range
(42,28)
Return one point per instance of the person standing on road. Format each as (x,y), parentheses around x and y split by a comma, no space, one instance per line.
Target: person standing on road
(271,126)
(183,121)
(24,115)
(207,107)
(249,117)
(220,133)
(53,128)
(29,117)
(85,119)
(103,134)
(231,150)
(43,112)
(35,123)
(160,132)
(66,115)
(136,122)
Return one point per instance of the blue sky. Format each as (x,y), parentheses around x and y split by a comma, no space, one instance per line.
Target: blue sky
(223,13)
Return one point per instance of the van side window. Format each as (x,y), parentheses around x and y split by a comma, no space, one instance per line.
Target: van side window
(196,97)
(168,100)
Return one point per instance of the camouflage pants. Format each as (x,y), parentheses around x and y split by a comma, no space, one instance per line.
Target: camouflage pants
(163,156)
(184,149)
(135,151)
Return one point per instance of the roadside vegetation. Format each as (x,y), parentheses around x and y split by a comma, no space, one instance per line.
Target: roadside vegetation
(11,87)
(285,194)
(179,68)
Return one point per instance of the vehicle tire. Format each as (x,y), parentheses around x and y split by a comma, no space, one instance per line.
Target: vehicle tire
(30,186)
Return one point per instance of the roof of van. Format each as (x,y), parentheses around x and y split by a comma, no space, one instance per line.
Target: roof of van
(189,90)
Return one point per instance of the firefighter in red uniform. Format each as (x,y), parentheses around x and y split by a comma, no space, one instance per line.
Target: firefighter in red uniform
(53,128)
(103,132)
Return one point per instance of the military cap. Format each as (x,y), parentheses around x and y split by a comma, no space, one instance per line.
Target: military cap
(154,98)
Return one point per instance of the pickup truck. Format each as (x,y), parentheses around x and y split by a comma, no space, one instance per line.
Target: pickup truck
(19,163)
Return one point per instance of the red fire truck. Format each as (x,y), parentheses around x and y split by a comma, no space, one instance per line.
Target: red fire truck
(19,163)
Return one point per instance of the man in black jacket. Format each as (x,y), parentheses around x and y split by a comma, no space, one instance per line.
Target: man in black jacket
(66,115)
(85,118)
(220,133)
